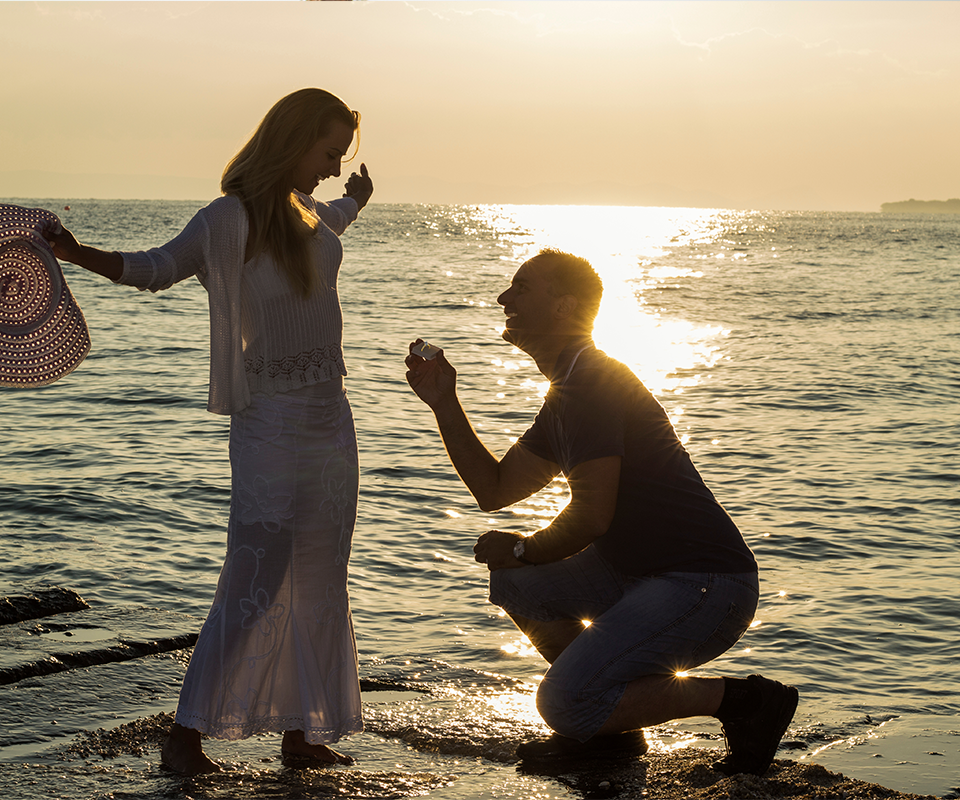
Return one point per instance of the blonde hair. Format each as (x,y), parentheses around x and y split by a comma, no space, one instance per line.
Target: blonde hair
(259,176)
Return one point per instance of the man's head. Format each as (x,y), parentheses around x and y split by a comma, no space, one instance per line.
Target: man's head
(553,293)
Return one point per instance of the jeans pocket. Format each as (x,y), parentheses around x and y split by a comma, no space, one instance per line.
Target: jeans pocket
(734,624)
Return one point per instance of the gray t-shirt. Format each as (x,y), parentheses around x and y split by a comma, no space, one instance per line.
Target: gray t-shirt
(666,519)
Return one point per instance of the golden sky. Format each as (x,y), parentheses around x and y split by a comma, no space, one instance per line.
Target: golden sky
(780,105)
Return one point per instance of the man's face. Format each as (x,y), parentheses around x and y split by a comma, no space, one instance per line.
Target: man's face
(530,307)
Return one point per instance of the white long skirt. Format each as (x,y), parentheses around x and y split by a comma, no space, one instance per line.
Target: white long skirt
(277,651)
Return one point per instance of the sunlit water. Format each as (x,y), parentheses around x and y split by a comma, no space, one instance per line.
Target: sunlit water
(809,361)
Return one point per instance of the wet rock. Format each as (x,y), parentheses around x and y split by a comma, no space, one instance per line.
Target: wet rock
(41,603)
(95,636)
(133,738)
(124,651)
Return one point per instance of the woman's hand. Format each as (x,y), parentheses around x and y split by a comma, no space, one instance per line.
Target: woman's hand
(359,187)
(64,244)
(66,247)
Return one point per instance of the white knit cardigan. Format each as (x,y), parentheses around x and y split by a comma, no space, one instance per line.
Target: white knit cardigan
(212,247)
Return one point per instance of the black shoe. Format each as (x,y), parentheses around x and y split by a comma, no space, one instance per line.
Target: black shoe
(616,745)
(752,740)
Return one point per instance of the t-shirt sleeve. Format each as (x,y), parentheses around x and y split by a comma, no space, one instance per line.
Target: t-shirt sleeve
(593,418)
(537,440)
(582,420)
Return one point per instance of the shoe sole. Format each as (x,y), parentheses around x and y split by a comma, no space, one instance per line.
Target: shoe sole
(593,755)
(585,752)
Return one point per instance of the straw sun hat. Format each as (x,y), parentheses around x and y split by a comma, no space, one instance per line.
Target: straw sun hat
(43,335)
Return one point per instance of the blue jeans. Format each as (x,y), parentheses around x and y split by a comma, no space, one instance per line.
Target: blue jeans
(653,625)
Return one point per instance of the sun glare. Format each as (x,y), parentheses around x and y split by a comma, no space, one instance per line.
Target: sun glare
(630,248)
(521,647)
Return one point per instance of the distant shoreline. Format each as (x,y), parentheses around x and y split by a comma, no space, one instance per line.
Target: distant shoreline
(922,207)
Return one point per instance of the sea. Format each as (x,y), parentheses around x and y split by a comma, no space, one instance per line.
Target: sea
(809,361)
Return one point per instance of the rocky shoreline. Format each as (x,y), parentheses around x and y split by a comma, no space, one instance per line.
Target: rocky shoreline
(683,774)
(65,668)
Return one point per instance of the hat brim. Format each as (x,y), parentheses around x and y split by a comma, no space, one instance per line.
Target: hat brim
(43,335)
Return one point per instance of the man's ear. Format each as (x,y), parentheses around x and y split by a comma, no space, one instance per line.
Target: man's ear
(567,306)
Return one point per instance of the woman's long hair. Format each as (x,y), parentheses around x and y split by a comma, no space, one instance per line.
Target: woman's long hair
(259,176)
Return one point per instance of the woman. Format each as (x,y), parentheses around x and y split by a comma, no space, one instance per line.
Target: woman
(277,651)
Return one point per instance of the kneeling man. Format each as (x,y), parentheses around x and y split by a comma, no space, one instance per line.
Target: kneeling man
(643,551)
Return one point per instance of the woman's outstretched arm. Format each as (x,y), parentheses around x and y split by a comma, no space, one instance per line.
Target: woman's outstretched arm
(67,248)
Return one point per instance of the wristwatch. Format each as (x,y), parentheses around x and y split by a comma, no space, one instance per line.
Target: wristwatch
(518,550)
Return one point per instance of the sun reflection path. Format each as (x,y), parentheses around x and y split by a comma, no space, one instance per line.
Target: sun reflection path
(627,246)
(520,707)
(636,251)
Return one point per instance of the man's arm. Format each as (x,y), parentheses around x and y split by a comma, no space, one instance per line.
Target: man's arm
(593,487)
(494,483)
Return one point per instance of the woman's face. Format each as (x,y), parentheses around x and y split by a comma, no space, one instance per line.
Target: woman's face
(322,161)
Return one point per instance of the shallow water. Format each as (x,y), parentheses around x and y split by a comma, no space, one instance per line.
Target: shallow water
(809,360)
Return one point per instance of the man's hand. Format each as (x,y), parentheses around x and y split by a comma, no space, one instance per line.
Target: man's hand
(434,381)
(493,482)
(495,549)
(359,187)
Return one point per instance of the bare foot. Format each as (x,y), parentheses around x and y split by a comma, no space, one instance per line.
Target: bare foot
(183,753)
(294,744)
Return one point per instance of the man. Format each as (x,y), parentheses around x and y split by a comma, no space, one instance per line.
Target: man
(643,552)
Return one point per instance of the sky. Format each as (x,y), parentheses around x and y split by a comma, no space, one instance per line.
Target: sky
(766,105)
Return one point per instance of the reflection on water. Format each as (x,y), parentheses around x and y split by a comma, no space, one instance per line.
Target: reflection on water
(808,359)
(622,243)
(519,707)
(520,647)
(626,246)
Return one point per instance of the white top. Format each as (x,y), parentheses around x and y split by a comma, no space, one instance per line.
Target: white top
(264,337)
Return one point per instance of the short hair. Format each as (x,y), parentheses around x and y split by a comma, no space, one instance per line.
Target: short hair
(570,274)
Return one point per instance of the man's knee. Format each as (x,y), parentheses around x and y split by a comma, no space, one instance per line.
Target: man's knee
(502,588)
(509,592)
(571,710)
(558,706)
